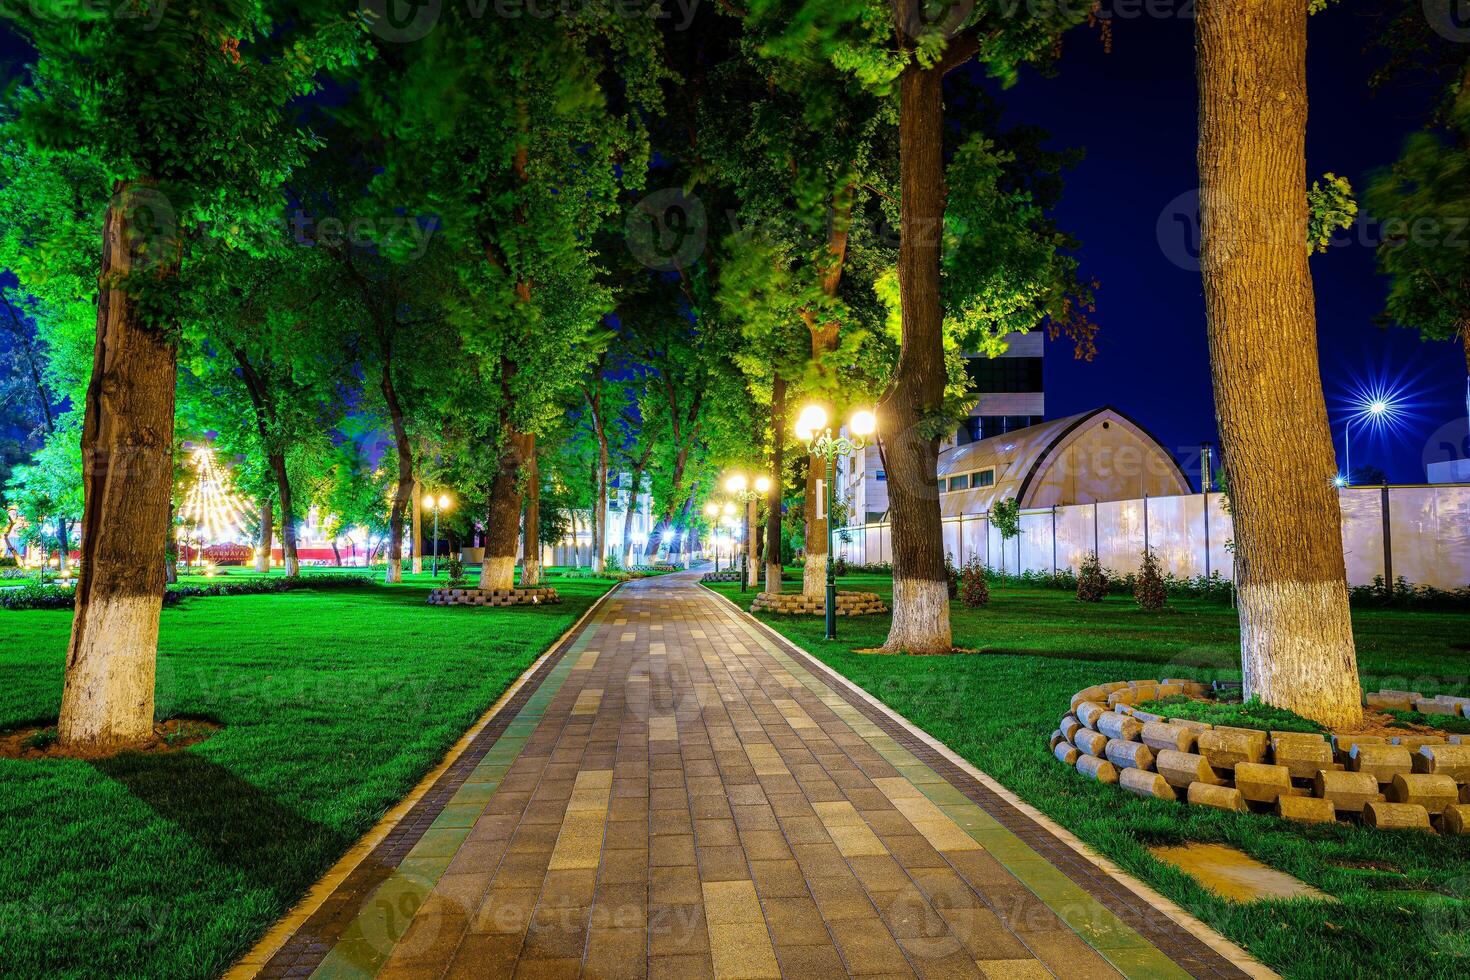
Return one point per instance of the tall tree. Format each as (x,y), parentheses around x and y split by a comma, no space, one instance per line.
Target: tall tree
(148,103)
(955,290)
(1296,634)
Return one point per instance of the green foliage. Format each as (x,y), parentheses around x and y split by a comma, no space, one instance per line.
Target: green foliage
(455,568)
(1092,581)
(1423,201)
(1329,207)
(974,585)
(1149,590)
(1005,517)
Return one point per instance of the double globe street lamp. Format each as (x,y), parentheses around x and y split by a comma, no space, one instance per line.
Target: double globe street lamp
(713,510)
(812,429)
(738,486)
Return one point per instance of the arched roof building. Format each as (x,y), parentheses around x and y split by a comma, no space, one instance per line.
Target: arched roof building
(1096,456)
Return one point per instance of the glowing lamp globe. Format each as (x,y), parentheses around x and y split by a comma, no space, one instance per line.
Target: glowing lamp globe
(762,484)
(430,502)
(1378,407)
(863,423)
(812,420)
(735,484)
(444,503)
(729,509)
(711,510)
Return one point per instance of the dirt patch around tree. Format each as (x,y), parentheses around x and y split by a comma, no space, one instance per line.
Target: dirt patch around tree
(34,742)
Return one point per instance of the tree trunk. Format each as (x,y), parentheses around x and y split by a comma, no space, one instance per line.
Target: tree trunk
(418,528)
(170,549)
(629,511)
(1465,343)
(127,482)
(266,544)
(824,342)
(773,498)
(288,515)
(599,512)
(531,535)
(920,587)
(503,521)
(63,543)
(403,494)
(1296,635)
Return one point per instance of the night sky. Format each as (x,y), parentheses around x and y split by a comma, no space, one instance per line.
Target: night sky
(1134,112)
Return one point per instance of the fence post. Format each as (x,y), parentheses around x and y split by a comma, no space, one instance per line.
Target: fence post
(1053,540)
(1145,524)
(1207,534)
(1095,548)
(1387,541)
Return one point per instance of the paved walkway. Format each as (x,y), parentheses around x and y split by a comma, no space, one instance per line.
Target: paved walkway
(676,794)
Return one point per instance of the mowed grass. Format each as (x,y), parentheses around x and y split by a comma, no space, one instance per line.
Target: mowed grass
(335,703)
(1403,906)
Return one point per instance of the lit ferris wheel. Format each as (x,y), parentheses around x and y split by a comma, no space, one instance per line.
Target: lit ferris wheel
(216,514)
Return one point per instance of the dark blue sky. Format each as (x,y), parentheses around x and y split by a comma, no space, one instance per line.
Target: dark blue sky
(1134,112)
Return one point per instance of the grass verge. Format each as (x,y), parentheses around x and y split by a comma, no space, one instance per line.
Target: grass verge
(1403,904)
(334,704)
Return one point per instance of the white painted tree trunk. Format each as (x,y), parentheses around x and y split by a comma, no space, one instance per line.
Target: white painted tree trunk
(498,572)
(920,617)
(108,697)
(394,573)
(530,573)
(292,567)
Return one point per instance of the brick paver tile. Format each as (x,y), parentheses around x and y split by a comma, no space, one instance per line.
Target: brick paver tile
(674,794)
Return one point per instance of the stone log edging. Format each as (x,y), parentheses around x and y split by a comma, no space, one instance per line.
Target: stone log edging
(800,604)
(721,576)
(1409,782)
(494,597)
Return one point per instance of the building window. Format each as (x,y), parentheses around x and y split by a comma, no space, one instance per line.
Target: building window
(959,482)
(880,476)
(1004,374)
(985,478)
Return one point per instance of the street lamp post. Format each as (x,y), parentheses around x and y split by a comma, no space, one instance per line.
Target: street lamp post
(739,488)
(436,504)
(811,428)
(712,511)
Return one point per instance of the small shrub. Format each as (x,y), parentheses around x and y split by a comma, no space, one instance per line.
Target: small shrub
(35,596)
(974,587)
(612,563)
(8,561)
(840,567)
(455,567)
(951,577)
(1092,581)
(1149,590)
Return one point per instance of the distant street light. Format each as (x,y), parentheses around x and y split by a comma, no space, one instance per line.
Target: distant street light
(811,428)
(1376,410)
(739,487)
(436,504)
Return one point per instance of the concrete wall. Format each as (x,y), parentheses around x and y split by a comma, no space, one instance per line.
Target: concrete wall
(1427,540)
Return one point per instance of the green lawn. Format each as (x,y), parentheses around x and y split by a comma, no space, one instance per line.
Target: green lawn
(1404,905)
(334,704)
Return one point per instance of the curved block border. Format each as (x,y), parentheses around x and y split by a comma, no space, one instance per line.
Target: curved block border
(1408,782)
